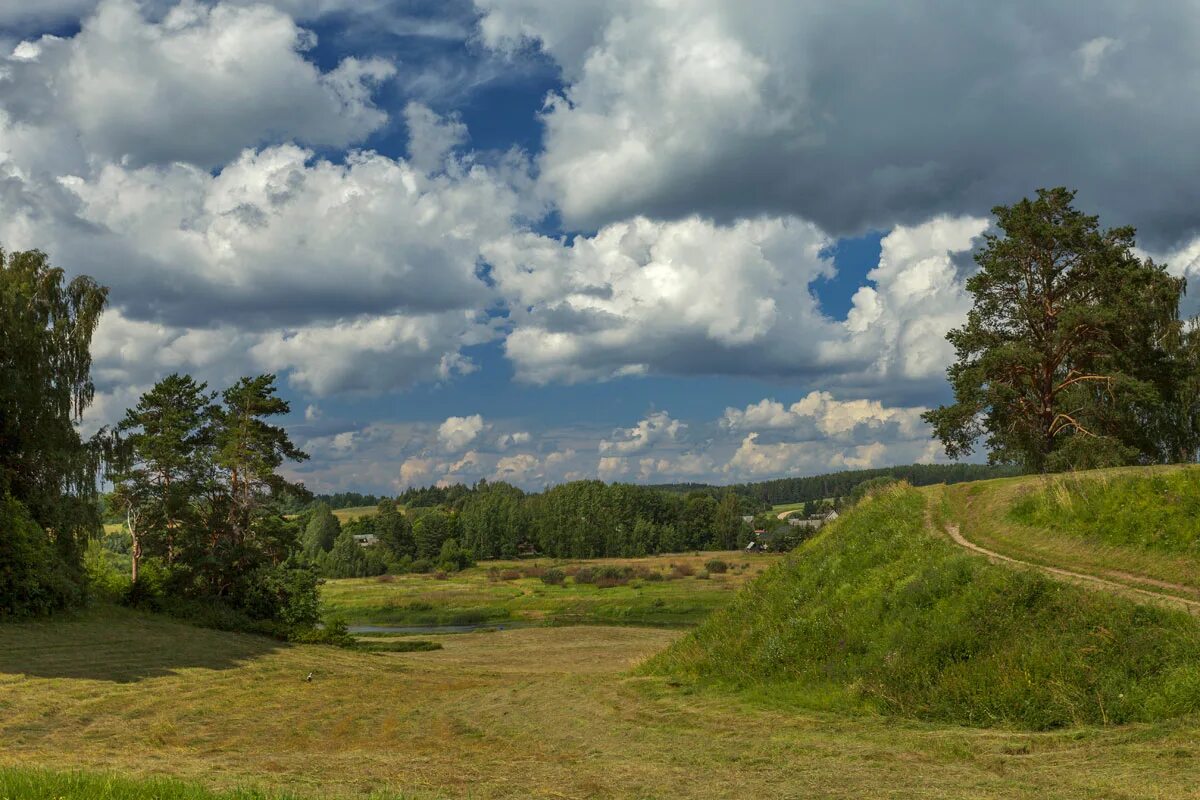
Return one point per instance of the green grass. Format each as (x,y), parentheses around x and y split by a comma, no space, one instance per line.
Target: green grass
(879,613)
(38,784)
(1156,511)
(542,712)
(471,597)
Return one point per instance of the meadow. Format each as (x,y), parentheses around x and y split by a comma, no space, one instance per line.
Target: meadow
(878,660)
(667,590)
(545,712)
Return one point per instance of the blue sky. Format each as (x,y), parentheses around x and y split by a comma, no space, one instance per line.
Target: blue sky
(521,240)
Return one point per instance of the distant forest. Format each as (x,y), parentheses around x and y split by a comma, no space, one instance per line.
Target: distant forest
(761,494)
(840,484)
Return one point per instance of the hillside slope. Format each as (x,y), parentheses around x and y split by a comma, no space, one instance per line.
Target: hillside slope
(1137,526)
(878,611)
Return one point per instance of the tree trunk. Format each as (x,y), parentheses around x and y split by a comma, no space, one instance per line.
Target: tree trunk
(135,552)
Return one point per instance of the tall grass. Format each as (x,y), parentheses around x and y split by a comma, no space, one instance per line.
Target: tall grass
(877,612)
(1156,511)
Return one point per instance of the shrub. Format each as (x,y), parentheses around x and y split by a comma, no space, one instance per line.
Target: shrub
(572,570)
(702,575)
(34,578)
(422,565)
(682,570)
(386,579)
(653,576)
(493,574)
(441,575)
(553,577)
(585,575)
(533,571)
(510,574)
(716,565)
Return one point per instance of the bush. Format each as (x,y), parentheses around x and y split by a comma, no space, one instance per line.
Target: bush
(34,578)
(422,565)
(493,574)
(653,576)
(716,565)
(702,575)
(553,577)
(585,575)
(533,571)
(510,574)
(682,570)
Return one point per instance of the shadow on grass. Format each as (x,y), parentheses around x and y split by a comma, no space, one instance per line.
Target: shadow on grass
(115,644)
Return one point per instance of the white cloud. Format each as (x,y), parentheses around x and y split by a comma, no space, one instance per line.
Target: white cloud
(860,116)
(199,86)
(518,468)
(457,433)
(1092,53)
(655,429)
(515,439)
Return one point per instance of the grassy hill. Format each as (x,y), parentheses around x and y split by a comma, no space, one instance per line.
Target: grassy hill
(880,612)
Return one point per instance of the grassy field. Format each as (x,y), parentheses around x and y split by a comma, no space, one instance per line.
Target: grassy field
(474,596)
(1005,515)
(880,612)
(562,710)
(538,712)
(354,512)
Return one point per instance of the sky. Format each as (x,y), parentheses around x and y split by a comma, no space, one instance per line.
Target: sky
(537,241)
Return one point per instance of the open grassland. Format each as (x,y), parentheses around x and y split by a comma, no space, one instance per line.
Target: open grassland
(537,712)
(354,512)
(512,591)
(879,612)
(1132,525)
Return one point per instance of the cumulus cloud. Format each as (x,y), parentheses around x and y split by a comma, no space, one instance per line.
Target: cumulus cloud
(655,429)
(857,115)
(198,86)
(696,297)
(679,297)
(456,433)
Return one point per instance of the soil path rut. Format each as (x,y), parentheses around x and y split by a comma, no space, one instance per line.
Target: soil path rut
(1086,579)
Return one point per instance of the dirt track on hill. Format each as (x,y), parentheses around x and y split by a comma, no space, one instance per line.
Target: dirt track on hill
(1110,584)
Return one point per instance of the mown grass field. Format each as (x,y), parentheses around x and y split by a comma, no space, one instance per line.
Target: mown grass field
(474,597)
(539,712)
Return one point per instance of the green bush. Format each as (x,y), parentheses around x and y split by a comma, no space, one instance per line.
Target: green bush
(553,577)
(877,612)
(34,578)
(716,566)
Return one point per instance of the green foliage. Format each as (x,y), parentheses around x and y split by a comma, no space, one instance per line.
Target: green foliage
(716,566)
(878,612)
(554,577)
(1070,354)
(34,575)
(46,327)
(453,558)
(432,531)
(494,520)
(199,486)
(729,530)
(321,531)
(1158,512)
(349,559)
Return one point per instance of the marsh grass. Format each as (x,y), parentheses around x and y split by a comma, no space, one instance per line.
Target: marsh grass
(880,614)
